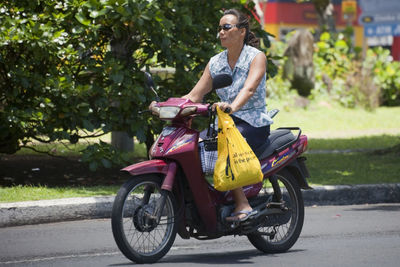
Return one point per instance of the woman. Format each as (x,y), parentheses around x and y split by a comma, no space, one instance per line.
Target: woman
(245,98)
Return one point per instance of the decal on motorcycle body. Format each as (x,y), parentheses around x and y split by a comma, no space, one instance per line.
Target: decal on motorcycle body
(168,130)
(181,142)
(276,162)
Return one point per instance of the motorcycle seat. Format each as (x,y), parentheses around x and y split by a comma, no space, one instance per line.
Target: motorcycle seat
(277,141)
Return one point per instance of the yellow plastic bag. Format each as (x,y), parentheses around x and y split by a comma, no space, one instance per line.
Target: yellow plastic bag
(237,165)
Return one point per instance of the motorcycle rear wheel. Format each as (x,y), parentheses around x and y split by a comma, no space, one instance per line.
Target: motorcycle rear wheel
(279,234)
(138,235)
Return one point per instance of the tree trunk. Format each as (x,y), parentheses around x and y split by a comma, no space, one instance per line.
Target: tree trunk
(326,22)
(299,67)
(121,47)
(122,141)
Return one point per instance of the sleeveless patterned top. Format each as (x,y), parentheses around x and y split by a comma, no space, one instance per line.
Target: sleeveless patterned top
(254,111)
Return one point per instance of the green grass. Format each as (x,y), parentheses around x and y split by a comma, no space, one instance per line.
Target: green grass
(353,168)
(322,120)
(65,150)
(354,143)
(29,193)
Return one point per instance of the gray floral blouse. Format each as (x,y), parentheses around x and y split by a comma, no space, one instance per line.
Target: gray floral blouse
(254,111)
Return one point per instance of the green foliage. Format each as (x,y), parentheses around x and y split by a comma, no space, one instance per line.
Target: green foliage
(104,155)
(385,75)
(72,69)
(342,76)
(353,81)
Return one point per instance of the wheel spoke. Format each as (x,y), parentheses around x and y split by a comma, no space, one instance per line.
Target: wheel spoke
(139,230)
(286,224)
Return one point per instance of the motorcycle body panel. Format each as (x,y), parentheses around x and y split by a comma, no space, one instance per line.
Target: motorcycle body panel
(180,144)
(150,166)
(289,157)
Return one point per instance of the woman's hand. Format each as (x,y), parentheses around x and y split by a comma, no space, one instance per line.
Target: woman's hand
(151,106)
(226,107)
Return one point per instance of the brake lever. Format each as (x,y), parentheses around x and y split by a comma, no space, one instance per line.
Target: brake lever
(227,110)
(143,111)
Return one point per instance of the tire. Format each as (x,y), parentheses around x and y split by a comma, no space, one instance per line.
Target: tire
(140,237)
(287,227)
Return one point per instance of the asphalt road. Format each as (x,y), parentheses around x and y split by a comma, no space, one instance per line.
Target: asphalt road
(359,235)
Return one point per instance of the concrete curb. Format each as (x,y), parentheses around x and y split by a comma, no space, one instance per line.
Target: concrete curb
(46,211)
(353,194)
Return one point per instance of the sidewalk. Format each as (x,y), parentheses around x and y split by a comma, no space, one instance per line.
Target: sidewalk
(46,211)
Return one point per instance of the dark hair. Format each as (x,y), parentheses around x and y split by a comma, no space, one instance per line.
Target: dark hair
(243,22)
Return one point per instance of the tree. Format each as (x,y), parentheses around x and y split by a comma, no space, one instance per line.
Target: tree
(324,9)
(72,69)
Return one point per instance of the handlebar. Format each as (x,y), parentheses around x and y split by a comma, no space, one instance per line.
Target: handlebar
(180,107)
(227,110)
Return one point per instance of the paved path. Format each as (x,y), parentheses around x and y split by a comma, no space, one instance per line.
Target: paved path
(45,211)
(356,235)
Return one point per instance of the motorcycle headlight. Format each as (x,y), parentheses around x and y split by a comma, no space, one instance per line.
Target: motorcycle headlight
(169,112)
(188,111)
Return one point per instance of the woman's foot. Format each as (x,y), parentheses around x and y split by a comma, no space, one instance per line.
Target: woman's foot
(241,213)
(243,209)
(240,216)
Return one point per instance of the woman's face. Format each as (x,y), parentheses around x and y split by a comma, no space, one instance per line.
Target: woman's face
(233,36)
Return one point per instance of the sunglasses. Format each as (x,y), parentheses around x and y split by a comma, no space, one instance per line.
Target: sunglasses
(227,27)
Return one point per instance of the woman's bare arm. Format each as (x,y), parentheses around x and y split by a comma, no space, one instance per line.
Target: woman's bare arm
(203,86)
(256,74)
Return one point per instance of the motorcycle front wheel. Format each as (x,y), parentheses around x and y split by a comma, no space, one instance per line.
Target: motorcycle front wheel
(141,236)
(279,233)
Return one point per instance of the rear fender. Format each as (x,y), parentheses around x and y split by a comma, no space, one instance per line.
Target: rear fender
(299,170)
(167,169)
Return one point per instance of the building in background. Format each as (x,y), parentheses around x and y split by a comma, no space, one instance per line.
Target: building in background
(367,17)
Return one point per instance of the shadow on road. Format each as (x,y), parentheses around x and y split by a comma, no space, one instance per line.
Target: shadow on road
(220,258)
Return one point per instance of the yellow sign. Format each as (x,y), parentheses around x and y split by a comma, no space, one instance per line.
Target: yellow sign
(349,9)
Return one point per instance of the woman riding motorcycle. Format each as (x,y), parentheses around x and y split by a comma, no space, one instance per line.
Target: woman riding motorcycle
(244,99)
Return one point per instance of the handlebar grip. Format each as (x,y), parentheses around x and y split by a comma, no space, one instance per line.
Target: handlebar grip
(227,110)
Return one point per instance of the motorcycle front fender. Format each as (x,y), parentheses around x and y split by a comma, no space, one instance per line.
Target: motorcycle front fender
(168,169)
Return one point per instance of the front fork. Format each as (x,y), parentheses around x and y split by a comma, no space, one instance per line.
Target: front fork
(166,186)
(156,213)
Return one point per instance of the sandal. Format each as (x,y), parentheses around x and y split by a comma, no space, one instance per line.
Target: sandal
(248,214)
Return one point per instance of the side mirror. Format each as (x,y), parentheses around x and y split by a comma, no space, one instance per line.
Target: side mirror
(149,80)
(221,81)
(150,84)
(272,113)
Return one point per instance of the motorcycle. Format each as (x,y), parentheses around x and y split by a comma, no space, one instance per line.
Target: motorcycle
(169,193)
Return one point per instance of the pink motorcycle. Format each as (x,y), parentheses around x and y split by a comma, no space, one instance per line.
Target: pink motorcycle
(170,194)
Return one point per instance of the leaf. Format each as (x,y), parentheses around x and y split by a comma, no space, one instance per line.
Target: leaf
(93,166)
(95,13)
(82,19)
(88,125)
(106,163)
(117,77)
(325,36)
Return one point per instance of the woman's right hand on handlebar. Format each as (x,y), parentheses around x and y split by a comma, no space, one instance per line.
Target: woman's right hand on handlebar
(151,107)
(225,107)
